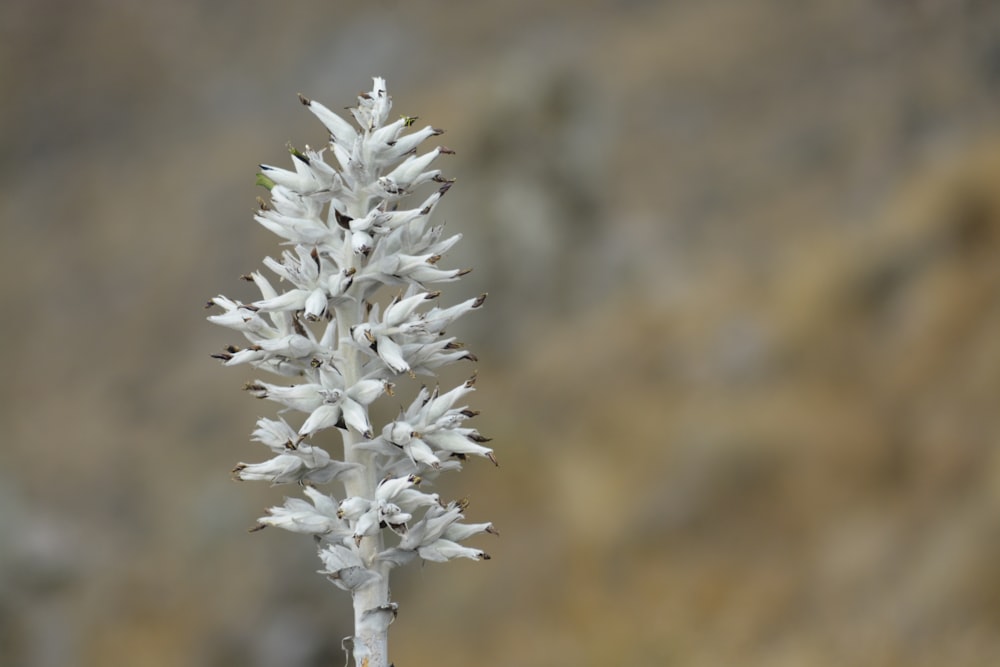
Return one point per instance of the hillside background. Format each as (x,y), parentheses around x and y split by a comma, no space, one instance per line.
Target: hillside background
(740,360)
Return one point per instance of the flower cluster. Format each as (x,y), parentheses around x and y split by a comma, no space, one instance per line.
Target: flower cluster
(351,243)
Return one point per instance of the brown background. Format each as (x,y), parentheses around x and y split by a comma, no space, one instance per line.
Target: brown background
(741,357)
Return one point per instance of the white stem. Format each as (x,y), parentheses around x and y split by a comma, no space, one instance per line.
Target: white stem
(371,645)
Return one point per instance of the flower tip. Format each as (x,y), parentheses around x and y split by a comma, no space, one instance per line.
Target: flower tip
(296,153)
(263,180)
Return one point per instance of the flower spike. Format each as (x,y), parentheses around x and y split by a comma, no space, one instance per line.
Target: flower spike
(338,346)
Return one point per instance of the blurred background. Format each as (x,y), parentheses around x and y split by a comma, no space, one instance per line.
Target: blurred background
(740,360)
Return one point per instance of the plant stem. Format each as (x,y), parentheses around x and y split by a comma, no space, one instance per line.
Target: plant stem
(371,648)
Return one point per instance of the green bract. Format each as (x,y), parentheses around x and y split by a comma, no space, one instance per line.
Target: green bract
(338,350)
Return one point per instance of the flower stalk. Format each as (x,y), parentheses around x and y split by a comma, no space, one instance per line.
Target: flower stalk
(358,318)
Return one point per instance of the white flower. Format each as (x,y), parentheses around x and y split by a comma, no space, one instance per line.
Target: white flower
(344,409)
(345,569)
(316,518)
(459,532)
(352,508)
(341,132)
(303,465)
(390,487)
(442,550)
(276,434)
(301,397)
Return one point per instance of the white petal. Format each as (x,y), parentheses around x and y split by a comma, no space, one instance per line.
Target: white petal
(412,166)
(399,311)
(345,569)
(281,469)
(325,416)
(461,531)
(301,397)
(392,354)
(388,488)
(443,550)
(366,391)
(441,404)
(420,452)
(458,444)
(356,417)
(342,131)
(367,524)
(408,142)
(276,434)
(323,502)
(361,243)
(294,346)
(352,508)
(315,304)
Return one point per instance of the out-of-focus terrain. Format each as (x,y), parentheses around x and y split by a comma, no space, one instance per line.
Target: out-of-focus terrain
(741,356)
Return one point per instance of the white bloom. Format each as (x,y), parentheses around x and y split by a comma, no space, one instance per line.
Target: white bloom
(352,508)
(276,434)
(341,131)
(459,532)
(411,499)
(302,397)
(390,487)
(442,550)
(299,516)
(303,465)
(345,569)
